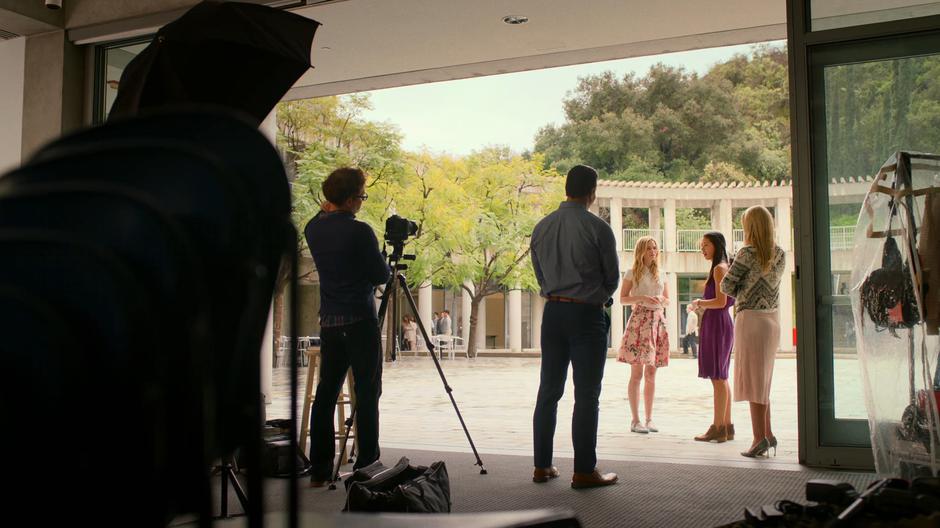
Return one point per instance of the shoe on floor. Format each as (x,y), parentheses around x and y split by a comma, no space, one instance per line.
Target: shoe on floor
(651,427)
(639,428)
(592,480)
(543,474)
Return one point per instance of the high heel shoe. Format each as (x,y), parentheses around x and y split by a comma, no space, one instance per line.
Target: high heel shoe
(772,442)
(758,450)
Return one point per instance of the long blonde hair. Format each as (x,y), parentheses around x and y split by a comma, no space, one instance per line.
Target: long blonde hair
(759,232)
(638,251)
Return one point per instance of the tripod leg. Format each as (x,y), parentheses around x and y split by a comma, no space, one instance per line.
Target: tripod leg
(342,450)
(223,497)
(237,486)
(388,295)
(440,371)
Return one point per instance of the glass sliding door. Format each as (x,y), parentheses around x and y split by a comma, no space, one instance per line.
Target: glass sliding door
(860,94)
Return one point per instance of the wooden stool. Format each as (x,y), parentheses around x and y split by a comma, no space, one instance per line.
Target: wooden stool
(346,397)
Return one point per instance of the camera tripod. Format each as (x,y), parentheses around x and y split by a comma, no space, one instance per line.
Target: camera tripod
(397,280)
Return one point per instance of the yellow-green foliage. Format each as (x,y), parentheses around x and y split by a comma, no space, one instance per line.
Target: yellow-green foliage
(475,213)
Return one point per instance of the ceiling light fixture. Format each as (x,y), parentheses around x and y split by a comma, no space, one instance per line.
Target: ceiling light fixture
(514,20)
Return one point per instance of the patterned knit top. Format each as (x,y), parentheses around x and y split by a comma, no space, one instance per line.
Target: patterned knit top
(751,287)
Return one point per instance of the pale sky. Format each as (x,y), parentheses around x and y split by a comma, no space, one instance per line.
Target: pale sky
(461,116)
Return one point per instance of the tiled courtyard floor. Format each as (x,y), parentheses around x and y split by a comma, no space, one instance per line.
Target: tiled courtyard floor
(497,395)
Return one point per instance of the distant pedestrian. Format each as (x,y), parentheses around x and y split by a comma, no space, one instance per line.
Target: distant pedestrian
(690,339)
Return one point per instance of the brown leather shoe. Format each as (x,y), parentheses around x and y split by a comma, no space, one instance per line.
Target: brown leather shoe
(543,474)
(592,480)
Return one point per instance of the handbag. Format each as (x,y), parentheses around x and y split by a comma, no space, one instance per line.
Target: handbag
(887,294)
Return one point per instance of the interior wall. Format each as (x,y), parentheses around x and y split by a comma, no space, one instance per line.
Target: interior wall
(12,64)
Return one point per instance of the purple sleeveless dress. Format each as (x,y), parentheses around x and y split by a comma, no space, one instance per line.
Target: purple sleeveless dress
(716,336)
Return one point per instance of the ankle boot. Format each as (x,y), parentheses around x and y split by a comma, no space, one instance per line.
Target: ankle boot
(722,435)
(708,436)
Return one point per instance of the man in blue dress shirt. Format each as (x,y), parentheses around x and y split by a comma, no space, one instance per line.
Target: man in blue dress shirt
(575,259)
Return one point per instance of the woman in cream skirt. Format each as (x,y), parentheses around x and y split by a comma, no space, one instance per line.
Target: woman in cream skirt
(754,281)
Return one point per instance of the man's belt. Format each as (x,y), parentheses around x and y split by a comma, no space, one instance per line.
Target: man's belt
(558,298)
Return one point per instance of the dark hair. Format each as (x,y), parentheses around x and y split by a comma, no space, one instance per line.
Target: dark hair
(721,254)
(581,181)
(343,184)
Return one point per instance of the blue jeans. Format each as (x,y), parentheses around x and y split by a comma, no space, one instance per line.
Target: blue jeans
(576,334)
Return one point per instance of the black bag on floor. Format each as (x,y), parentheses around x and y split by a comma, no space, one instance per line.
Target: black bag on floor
(401,488)
(276,453)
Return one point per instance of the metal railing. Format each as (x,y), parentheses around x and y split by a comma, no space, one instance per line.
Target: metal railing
(737,240)
(689,240)
(841,238)
(630,236)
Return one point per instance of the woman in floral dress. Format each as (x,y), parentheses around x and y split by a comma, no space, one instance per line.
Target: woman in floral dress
(645,344)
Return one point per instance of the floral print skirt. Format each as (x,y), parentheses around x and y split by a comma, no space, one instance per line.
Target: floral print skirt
(645,340)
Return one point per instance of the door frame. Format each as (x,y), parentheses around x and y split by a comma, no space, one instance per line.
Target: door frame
(803,46)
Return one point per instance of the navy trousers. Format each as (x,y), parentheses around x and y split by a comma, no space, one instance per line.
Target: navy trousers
(358,345)
(573,334)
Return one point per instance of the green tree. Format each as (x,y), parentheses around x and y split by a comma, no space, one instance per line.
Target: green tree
(476,215)
(670,124)
(320,135)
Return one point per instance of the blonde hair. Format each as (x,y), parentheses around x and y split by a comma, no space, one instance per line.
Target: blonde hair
(638,251)
(759,233)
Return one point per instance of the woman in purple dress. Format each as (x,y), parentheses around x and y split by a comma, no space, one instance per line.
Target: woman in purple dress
(716,337)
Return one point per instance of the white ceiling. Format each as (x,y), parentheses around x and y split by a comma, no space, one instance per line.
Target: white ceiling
(382,43)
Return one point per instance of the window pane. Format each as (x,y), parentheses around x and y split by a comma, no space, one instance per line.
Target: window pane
(872,110)
(831,14)
(116,59)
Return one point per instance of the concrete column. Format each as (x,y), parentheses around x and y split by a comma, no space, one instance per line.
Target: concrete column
(53,98)
(672,311)
(616,310)
(786,307)
(616,321)
(784,224)
(426,311)
(12,64)
(670,227)
(268,127)
(465,307)
(725,223)
(616,221)
(481,325)
(538,307)
(515,319)
(267,357)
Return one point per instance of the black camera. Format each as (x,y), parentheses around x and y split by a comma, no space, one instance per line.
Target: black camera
(398,229)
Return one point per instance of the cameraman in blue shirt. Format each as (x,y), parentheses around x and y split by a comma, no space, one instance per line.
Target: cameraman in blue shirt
(350,266)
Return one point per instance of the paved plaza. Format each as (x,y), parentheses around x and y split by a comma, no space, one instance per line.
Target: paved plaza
(497,395)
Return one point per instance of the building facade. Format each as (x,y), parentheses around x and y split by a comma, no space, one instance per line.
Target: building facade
(510,321)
